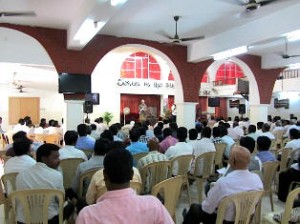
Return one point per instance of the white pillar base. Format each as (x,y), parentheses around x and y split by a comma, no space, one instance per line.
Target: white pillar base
(258,113)
(186,113)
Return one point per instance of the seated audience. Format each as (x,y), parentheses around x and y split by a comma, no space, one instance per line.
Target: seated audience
(96,161)
(158,136)
(236,132)
(43,174)
(114,130)
(259,126)
(200,146)
(168,140)
(121,204)
(95,134)
(252,132)
(22,159)
(295,139)
(266,131)
(84,141)
(263,147)
(135,146)
(226,139)
(239,180)
(216,135)
(286,178)
(69,150)
(180,148)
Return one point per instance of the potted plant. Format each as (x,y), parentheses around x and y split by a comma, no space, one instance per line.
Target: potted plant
(107,117)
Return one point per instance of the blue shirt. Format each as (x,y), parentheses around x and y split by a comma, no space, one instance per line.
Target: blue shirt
(265,156)
(85,142)
(137,147)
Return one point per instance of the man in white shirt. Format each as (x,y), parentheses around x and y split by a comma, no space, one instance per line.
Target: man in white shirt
(259,128)
(69,151)
(295,139)
(180,148)
(43,174)
(226,139)
(237,181)
(236,132)
(266,131)
(200,146)
(22,159)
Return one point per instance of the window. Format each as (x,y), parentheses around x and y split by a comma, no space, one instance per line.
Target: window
(228,72)
(140,65)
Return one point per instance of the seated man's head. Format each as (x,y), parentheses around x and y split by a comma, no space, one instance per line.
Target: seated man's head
(239,158)
(294,133)
(101,146)
(263,143)
(248,143)
(48,154)
(71,137)
(251,128)
(153,145)
(206,132)
(118,170)
(134,134)
(22,146)
(182,134)
(266,127)
(193,134)
(82,130)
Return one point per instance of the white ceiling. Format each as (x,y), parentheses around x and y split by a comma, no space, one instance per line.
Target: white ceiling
(224,23)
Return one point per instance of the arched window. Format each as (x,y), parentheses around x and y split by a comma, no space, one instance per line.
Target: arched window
(205,77)
(228,72)
(140,65)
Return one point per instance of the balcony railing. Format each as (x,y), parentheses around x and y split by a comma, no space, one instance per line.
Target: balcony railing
(289,74)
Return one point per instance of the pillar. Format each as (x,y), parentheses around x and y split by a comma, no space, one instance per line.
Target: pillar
(73,114)
(258,113)
(186,113)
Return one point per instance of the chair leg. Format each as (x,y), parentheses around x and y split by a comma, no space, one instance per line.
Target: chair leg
(271,200)
(186,182)
(200,189)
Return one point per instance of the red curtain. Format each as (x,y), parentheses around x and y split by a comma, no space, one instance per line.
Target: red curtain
(132,101)
(170,101)
(222,110)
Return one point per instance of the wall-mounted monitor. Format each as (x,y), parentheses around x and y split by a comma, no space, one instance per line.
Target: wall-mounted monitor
(214,102)
(93,97)
(74,83)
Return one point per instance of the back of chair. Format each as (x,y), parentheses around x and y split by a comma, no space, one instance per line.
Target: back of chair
(207,159)
(52,138)
(184,163)
(39,138)
(84,180)
(220,149)
(137,156)
(289,205)
(279,136)
(285,154)
(170,190)
(245,204)
(35,203)
(294,155)
(88,152)
(155,173)
(69,167)
(269,170)
(9,182)
(137,186)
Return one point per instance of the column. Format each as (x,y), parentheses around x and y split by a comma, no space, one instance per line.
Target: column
(186,113)
(73,114)
(258,113)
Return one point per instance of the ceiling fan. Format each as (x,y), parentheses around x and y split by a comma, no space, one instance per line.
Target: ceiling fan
(176,39)
(285,55)
(251,5)
(14,14)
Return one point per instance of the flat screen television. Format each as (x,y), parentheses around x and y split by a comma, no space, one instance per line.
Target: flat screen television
(93,97)
(74,83)
(214,102)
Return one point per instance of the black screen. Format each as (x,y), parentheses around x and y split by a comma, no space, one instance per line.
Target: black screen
(243,86)
(93,97)
(214,102)
(74,83)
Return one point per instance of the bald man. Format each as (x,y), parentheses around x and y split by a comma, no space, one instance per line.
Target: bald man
(239,180)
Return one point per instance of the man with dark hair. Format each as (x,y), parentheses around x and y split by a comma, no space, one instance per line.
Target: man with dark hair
(96,161)
(22,159)
(295,139)
(107,135)
(84,141)
(69,150)
(120,204)
(180,148)
(114,130)
(43,174)
(259,128)
(263,146)
(266,131)
(239,180)
(252,132)
(168,140)
(201,146)
(216,137)
(226,139)
(135,146)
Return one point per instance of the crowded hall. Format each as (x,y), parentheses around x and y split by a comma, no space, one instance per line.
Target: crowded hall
(122,111)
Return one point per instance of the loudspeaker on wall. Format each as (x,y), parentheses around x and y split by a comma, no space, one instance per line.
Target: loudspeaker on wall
(242,109)
(88,107)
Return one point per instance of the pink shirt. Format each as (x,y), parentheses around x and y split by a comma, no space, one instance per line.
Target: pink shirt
(125,206)
(167,142)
